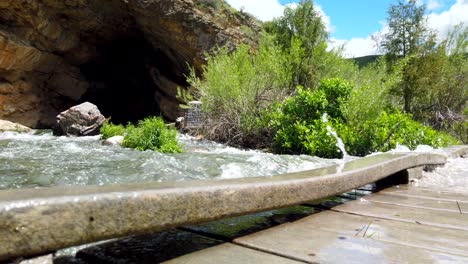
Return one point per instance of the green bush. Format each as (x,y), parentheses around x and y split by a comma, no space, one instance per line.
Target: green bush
(390,130)
(300,129)
(237,87)
(298,120)
(109,130)
(152,134)
(370,93)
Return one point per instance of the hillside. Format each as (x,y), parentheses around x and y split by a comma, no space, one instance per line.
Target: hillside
(127,57)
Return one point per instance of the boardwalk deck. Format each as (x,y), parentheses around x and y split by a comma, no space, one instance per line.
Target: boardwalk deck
(397,225)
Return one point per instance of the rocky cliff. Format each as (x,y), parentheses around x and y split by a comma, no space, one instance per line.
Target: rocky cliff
(126,56)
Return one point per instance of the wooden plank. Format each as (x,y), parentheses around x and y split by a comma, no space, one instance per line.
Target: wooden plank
(406,214)
(415,202)
(427,193)
(406,234)
(230,254)
(302,241)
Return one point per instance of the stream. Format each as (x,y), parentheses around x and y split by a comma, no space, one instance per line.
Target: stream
(41,160)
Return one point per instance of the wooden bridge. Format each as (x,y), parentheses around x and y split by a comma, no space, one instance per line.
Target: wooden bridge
(396,225)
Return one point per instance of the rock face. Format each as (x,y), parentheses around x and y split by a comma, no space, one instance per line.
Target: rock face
(81,120)
(10,126)
(126,56)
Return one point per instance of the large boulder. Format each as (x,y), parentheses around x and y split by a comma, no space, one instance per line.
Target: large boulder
(10,126)
(81,120)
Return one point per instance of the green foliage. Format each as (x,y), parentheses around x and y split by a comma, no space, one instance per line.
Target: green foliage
(109,130)
(298,120)
(433,74)
(390,130)
(407,29)
(302,33)
(238,86)
(246,93)
(152,134)
(300,129)
(434,82)
(337,93)
(303,23)
(370,93)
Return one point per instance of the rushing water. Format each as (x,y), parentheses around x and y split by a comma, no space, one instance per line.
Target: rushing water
(31,160)
(451,177)
(339,142)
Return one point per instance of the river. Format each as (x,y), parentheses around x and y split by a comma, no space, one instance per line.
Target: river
(41,159)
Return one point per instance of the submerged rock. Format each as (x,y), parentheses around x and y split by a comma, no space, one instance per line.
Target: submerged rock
(113,141)
(81,120)
(10,126)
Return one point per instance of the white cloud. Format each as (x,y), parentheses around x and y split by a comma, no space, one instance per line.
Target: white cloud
(355,47)
(442,22)
(266,10)
(445,21)
(262,9)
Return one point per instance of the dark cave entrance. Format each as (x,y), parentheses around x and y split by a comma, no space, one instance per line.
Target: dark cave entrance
(122,84)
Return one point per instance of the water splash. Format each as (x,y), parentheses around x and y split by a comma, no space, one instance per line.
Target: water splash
(339,141)
(32,160)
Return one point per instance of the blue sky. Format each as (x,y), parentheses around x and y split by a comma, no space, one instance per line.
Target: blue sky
(352,22)
(359,18)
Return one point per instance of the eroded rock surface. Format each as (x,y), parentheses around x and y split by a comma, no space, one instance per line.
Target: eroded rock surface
(128,57)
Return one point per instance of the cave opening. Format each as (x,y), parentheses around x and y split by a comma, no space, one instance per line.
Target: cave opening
(123,82)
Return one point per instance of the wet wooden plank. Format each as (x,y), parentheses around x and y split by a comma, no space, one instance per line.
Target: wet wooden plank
(406,214)
(413,191)
(406,234)
(415,202)
(302,241)
(230,254)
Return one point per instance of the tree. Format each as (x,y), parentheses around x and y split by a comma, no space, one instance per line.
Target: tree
(433,73)
(302,33)
(407,30)
(408,45)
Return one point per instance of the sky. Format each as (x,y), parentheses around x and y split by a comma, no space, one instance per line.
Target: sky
(351,23)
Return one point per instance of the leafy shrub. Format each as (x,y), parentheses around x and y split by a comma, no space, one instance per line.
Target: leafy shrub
(152,133)
(109,130)
(237,87)
(300,129)
(390,130)
(370,93)
(298,120)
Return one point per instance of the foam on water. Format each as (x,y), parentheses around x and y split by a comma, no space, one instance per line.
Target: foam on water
(453,176)
(40,159)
